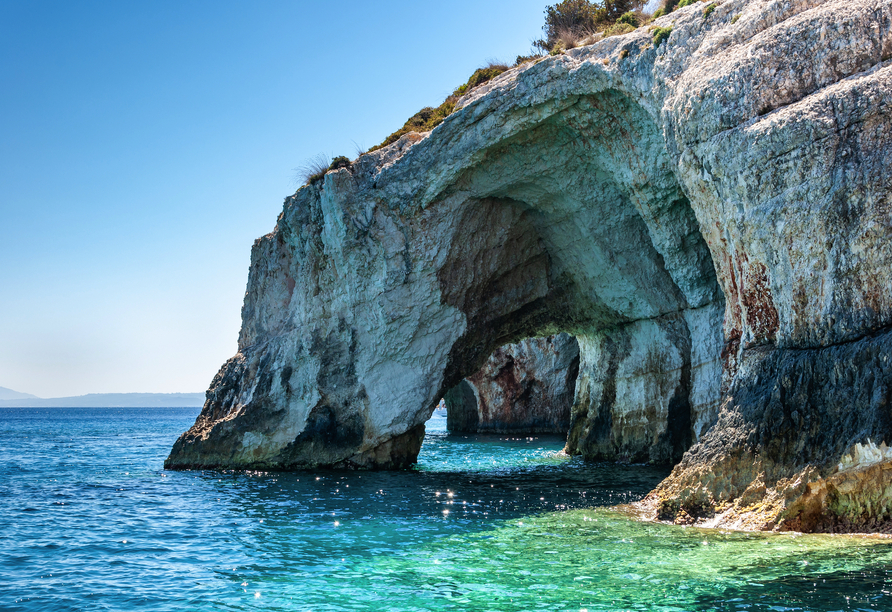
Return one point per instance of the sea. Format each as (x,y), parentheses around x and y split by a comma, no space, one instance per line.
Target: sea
(90,520)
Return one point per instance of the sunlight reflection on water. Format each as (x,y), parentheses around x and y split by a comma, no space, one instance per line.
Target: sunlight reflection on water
(92,522)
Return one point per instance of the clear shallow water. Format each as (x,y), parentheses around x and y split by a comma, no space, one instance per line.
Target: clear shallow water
(90,521)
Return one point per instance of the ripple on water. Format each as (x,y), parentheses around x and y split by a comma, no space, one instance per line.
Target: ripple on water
(91,522)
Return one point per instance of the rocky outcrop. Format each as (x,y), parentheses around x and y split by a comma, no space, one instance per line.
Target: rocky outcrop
(527,387)
(795,444)
(647,390)
(710,216)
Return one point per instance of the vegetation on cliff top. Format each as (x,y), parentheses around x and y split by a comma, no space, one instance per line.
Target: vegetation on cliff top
(314,170)
(574,23)
(428,117)
(568,24)
(670,5)
(661,34)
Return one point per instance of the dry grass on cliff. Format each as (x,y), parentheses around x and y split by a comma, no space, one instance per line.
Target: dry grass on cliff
(430,117)
(314,169)
(628,22)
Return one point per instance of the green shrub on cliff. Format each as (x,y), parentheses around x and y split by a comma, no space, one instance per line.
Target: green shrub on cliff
(661,34)
(429,117)
(480,76)
(573,22)
(618,29)
(630,18)
(314,169)
(525,59)
(341,161)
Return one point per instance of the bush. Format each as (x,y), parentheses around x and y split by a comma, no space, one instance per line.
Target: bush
(668,6)
(428,117)
(659,13)
(615,9)
(524,59)
(315,168)
(618,29)
(661,34)
(481,76)
(629,18)
(735,18)
(579,19)
(708,10)
(341,161)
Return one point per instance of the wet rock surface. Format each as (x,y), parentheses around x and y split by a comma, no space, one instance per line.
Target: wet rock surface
(711,217)
(800,444)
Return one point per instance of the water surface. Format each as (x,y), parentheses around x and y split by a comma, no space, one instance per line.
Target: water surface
(91,521)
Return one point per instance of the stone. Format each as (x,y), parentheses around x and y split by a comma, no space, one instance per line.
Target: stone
(647,390)
(526,387)
(711,217)
(794,446)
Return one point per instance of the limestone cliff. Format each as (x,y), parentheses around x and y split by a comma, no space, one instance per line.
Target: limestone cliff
(526,387)
(710,216)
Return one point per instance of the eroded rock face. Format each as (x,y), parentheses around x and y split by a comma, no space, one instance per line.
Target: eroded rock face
(647,390)
(526,387)
(794,446)
(711,217)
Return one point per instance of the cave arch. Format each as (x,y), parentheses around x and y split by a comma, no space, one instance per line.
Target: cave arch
(562,195)
(363,310)
(602,243)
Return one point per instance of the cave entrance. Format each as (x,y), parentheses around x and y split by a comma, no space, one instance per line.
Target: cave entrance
(523,388)
(567,218)
(579,226)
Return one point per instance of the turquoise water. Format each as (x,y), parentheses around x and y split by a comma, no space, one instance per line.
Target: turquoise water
(90,521)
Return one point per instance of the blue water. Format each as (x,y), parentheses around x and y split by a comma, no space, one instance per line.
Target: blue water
(90,521)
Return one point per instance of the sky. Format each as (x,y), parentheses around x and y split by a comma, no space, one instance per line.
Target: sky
(145,145)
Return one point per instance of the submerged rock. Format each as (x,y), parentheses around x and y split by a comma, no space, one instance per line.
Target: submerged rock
(710,216)
(525,387)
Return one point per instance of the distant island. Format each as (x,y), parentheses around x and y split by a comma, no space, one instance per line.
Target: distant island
(14,399)
(9,394)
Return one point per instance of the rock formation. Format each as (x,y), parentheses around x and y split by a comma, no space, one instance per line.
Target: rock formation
(649,389)
(711,217)
(525,387)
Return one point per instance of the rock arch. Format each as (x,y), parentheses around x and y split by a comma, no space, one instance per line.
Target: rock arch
(705,225)
(574,224)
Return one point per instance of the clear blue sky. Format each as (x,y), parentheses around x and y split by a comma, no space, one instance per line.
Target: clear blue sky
(145,145)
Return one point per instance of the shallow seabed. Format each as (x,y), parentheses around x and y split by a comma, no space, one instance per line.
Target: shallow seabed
(90,521)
